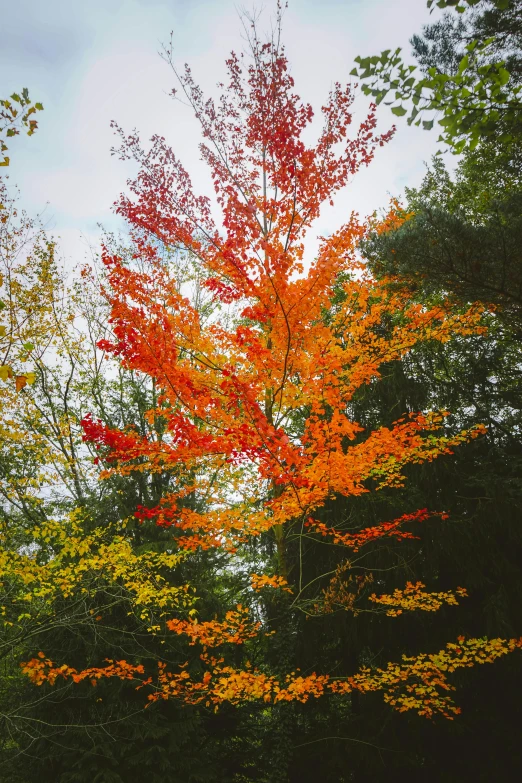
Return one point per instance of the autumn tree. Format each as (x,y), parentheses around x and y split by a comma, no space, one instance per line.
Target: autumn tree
(256,403)
(17,114)
(78,573)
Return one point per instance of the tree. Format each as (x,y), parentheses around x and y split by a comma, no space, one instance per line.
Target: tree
(15,336)
(459,235)
(471,75)
(255,407)
(463,234)
(76,573)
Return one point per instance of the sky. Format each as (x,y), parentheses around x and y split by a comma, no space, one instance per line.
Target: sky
(97,61)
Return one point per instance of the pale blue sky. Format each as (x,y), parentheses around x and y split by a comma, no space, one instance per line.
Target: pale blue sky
(91,62)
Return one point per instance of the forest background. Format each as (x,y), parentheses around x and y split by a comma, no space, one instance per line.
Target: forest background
(135,536)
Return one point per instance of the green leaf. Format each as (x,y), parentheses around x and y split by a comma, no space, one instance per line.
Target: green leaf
(464,63)
(503,75)
(457,148)
(399,111)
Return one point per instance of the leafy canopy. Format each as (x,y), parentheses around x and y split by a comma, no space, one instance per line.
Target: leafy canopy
(475,96)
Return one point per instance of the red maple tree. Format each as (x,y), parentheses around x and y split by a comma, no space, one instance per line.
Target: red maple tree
(255,398)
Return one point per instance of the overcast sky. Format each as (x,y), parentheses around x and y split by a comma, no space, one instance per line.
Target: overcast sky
(91,62)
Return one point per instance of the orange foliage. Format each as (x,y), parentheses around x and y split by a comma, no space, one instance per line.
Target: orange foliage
(235,629)
(413,597)
(416,683)
(343,593)
(394,218)
(259,581)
